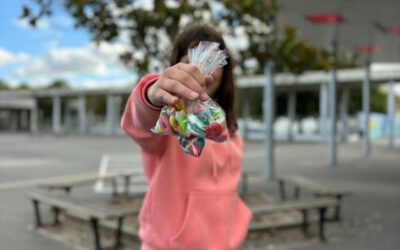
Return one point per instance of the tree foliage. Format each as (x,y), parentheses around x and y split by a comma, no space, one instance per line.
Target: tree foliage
(150,26)
(378,100)
(58,84)
(3,85)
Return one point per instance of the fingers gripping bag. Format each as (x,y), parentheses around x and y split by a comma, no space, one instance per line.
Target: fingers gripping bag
(194,121)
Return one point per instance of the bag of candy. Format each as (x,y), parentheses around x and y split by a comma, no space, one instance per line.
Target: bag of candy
(194,121)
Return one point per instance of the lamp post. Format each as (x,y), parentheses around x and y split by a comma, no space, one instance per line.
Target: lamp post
(368,50)
(391,108)
(269,109)
(268,113)
(334,20)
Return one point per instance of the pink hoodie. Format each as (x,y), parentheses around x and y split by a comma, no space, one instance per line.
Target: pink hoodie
(191,203)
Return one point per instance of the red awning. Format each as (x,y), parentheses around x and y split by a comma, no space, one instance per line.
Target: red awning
(325,18)
(395,31)
(368,49)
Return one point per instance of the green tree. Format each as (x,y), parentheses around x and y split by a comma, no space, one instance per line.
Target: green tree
(58,84)
(22,86)
(3,85)
(378,100)
(398,103)
(145,27)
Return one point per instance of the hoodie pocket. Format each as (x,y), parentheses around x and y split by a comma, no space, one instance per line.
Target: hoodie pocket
(212,222)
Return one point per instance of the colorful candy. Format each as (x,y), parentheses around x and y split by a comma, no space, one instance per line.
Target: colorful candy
(191,128)
(215,131)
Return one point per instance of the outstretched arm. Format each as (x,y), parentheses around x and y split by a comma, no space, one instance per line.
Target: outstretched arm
(140,116)
(154,91)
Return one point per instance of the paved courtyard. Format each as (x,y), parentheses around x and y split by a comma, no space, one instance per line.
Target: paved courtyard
(371,216)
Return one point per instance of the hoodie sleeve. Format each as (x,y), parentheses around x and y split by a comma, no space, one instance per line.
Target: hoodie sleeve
(140,116)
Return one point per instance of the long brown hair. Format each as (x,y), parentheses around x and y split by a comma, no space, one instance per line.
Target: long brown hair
(225,93)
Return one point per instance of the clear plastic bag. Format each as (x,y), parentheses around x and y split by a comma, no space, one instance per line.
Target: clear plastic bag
(193,121)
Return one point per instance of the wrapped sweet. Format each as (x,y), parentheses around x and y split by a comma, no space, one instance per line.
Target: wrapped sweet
(192,128)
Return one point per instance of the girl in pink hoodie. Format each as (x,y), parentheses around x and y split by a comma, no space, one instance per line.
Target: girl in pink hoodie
(192,202)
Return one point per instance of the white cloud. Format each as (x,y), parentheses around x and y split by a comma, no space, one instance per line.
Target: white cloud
(99,60)
(108,51)
(100,84)
(15,82)
(7,57)
(42,24)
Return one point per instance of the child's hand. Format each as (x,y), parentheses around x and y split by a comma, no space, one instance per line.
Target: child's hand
(181,80)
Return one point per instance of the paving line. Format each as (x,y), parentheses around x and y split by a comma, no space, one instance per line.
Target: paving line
(12,163)
(35,182)
(24,183)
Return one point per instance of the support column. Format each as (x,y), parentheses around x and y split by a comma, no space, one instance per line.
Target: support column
(110,115)
(33,119)
(391,112)
(291,112)
(118,111)
(268,113)
(82,114)
(323,111)
(344,111)
(332,120)
(366,94)
(56,115)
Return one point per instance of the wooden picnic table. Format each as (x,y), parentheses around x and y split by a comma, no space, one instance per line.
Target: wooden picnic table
(87,210)
(301,205)
(66,183)
(317,188)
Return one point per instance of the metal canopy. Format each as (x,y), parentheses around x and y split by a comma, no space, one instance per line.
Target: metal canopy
(365,22)
(380,73)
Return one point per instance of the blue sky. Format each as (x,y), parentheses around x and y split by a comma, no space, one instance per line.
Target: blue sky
(55,50)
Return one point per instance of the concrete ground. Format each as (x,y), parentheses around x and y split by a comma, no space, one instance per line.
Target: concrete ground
(371,216)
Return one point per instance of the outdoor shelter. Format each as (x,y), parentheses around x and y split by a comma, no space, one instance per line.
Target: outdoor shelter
(18,113)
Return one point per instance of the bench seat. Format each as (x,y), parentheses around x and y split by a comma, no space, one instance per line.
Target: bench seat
(318,189)
(301,205)
(90,211)
(66,183)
